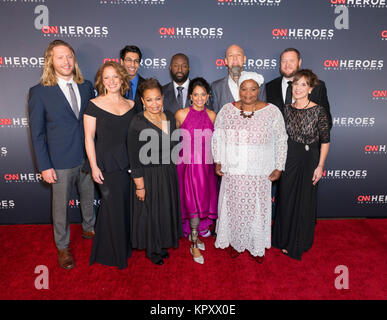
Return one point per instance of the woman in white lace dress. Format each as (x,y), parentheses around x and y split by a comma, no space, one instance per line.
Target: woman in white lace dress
(249,146)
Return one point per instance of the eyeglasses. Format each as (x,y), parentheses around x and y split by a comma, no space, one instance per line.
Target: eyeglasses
(136,61)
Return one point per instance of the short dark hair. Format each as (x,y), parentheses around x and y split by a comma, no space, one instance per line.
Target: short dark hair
(292,50)
(201,82)
(179,55)
(310,77)
(149,84)
(127,49)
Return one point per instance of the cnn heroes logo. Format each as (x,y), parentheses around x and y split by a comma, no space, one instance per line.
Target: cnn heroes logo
(249,2)
(21,62)
(383,35)
(3,151)
(360,3)
(379,95)
(22,177)
(75,31)
(375,149)
(371,199)
(133,2)
(75,203)
(47,29)
(190,32)
(147,63)
(13,122)
(353,122)
(353,65)
(329,174)
(302,34)
(7,204)
(252,64)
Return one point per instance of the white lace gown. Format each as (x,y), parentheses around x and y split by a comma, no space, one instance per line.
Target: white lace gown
(249,149)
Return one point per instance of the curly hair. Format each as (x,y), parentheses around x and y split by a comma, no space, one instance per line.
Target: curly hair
(124,77)
(149,84)
(310,78)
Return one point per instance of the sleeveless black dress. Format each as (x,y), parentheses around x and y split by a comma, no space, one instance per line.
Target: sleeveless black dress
(111,244)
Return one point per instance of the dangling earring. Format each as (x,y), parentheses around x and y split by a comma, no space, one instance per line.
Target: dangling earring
(104,91)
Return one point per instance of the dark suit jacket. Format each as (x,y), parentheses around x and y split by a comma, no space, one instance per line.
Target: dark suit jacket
(221,94)
(138,106)
(318,95)
(57,135)
(170,101)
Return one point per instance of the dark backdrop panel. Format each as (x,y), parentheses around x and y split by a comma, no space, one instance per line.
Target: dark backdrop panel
(354,184)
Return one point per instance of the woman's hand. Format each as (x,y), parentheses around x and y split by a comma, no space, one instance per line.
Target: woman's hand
(97,175)
(218,169)
(140,194)
(318,172)
(275,175)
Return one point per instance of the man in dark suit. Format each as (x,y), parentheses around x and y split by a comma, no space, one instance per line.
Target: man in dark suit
(278,91)
(176,92)
(226,90)
(130,57)
(55,109)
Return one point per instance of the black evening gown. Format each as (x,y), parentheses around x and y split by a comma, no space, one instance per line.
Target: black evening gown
(296,203)
(156,222)
(111,244)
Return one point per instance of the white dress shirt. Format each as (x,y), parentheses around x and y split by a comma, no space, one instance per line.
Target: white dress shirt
(66,91)
(184,91)
(233,88)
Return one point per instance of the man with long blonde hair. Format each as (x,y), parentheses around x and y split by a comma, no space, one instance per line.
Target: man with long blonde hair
(55,109)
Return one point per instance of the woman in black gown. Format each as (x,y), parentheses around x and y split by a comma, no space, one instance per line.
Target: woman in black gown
(155,203)
(307,126)
(106,123)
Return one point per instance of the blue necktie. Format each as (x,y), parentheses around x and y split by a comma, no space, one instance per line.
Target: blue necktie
(129,94)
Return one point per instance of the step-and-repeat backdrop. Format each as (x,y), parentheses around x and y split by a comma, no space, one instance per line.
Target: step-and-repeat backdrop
(343,41)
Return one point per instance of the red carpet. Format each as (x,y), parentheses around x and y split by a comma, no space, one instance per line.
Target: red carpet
(361,245)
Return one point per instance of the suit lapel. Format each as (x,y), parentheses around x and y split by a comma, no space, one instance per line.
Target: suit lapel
(279,91)
(59,93)
(228,90)
(84,97)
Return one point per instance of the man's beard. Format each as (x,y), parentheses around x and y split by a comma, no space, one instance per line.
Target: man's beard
(236,71)
(290,75)
(179,79)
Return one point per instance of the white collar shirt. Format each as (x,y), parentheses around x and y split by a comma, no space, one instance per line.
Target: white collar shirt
(233,88)
(185,90)
(66,91)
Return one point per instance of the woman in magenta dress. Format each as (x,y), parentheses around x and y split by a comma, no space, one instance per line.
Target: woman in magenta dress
(196,171)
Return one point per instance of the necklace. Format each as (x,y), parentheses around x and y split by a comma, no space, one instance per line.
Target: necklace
(153,119)
(307,148)
(302,107)
(244,115)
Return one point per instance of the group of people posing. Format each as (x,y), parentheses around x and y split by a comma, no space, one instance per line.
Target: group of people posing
(171,161)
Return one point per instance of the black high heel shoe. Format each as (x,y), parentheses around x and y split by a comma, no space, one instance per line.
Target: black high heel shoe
(159,262)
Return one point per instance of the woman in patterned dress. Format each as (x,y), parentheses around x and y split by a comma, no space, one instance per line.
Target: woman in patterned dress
(249,148)
(307,125)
